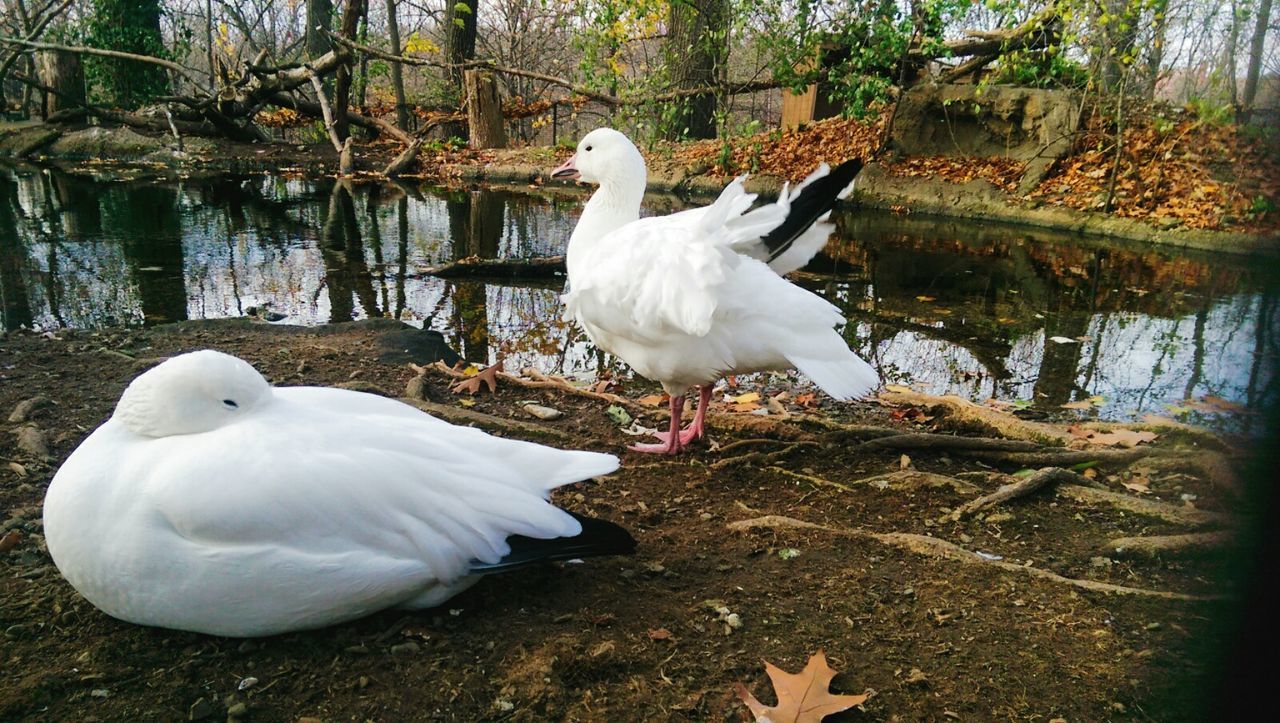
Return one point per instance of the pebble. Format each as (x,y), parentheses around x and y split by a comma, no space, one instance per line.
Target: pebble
(405,648)
(100,693)
(33,441)
(24,410)
(247,683)
(544,413)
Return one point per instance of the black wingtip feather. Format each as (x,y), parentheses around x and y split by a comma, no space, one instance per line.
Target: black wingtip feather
(816,199)
(598,538)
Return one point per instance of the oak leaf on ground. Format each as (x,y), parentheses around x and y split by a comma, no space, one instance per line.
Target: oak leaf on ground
(487,376)
(802,697)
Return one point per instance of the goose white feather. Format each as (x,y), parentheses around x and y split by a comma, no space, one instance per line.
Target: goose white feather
(211,501)
(688,298)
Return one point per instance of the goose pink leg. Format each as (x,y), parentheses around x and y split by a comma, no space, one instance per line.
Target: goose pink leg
(676,439)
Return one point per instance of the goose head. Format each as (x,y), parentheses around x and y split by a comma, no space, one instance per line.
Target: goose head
(191,393)
(607,158)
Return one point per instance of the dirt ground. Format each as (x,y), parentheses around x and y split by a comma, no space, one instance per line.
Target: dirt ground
(937,632)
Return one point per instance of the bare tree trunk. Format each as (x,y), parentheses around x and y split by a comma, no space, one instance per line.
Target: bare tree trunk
(459,47)
(397,72)
(484,111)
(61,70)
(208,41)
(1229,61)
(319,22)
(342,85)
(696,48)
(1256,46)
(1155,52)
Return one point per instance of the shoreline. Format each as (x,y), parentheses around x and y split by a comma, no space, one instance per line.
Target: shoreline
(978,200)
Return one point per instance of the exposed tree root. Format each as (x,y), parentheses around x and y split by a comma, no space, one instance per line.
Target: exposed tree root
(1058,457)
(964,415)
(1169,545)
(763,458)
(1150,508)
(924,440)
(1018,488)
(924,545)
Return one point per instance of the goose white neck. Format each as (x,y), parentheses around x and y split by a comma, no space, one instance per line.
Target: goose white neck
(615,204)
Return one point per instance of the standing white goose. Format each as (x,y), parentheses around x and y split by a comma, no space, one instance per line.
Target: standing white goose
(688,298)
(212,502)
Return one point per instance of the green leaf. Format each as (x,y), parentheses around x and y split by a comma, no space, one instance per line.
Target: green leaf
(619,415)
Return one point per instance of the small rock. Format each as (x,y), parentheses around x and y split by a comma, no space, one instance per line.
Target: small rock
(200,710)
(405,648)
(733,620)
(917,677)
(33,441)
(544,413)
(705,516)
(13,632)
(247,683)
(24,410)
(100,693)
(1153,626)
(239,710)
(1101,561)
(654,567)
(416,388)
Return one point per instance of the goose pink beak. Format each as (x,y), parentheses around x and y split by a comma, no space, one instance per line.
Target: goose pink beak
(566,170)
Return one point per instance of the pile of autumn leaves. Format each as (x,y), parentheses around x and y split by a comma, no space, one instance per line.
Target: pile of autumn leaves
(1178,170)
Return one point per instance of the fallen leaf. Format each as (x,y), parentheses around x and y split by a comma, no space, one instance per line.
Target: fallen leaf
(660,634)
(926,298)
(904,462)
(807,399)
(746,407)
(619,415)
(488,377)
(1062,340)
(896,388)
(1114,438)
(652,400)
(18,469)
(1215,405)
(747,398)
(10,540)
(467,402)
(803,697)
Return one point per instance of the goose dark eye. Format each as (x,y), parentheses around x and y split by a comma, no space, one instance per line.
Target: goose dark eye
(587,148)
(230,404)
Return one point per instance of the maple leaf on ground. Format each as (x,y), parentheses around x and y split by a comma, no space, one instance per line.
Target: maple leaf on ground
(802,697)
(488,377)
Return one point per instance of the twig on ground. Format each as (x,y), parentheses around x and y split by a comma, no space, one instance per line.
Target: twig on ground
(1018,488)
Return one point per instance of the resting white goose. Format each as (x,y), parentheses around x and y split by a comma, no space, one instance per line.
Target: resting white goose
(212,502)
(688,298)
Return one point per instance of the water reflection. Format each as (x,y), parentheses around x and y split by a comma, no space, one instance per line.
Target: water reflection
(948,307)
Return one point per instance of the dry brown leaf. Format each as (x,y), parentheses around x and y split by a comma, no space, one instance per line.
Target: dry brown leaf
(1114,438)
(802,697)
(660,634)
(807,399)
(10,540)
(652,400)
(488,377)
(1082,404)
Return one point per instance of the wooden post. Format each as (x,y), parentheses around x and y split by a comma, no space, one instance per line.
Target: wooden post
(61,70)
(484,111)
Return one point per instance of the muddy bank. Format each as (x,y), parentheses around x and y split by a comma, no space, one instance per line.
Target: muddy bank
(820,525)
(977,199)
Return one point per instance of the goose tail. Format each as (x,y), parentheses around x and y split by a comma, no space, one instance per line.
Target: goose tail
(598,538)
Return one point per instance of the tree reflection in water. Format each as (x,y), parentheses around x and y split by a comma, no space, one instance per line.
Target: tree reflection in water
(944,306)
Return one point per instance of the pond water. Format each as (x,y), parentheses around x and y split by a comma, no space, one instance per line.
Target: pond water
(979,310)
